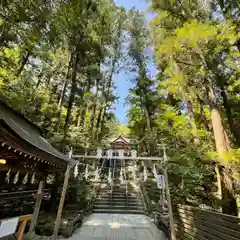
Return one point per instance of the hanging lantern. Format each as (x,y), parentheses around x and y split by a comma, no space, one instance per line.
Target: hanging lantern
(3,161)
(15,180)
(33,178)
(50,178)
(7,179)
(75,172)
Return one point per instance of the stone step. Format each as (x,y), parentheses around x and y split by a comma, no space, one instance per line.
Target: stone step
(107,202)
(119,194)
(117,207)
(127,211)
(116,201)
(104,193)
(123,197)
(138,207)
(124,190)
(104,189)
(120,199)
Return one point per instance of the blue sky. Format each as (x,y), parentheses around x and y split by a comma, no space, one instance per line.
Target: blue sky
(122,79)
(140,4)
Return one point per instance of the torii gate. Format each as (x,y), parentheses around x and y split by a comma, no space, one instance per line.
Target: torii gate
(120,156)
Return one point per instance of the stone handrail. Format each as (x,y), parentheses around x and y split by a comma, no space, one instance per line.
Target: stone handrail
(126,182)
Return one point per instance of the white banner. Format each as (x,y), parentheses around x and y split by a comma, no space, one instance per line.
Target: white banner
(109,153)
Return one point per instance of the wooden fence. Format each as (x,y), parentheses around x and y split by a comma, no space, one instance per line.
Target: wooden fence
(196,224)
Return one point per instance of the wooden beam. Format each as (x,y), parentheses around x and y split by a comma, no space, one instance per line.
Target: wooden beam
(120,158)
(60,208)
(37,206)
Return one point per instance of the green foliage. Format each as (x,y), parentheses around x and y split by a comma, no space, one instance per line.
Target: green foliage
(123,130)
(195,53)
(40,77)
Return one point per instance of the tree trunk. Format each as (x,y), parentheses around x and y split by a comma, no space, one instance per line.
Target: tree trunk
(63,92)
(83,115)
(79,118)
(220,140)
(47,121)
(99,120)
(85,119)
(151,141)
(102,122)
(24,62)
(71,100)
(202,114)
(94,110)
(92,121)
(85,105)
(219,182)
(191,117)
(192,122)
(38,83)
(229,201)
(62,95)
(234,129)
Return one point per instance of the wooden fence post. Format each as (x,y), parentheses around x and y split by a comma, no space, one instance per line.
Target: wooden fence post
(37,206)
(60,208)
(168,196)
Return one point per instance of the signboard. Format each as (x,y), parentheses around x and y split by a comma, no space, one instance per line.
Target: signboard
(8,227)
(160,181)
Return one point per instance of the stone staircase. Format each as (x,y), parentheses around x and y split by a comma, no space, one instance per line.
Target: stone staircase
(120,200)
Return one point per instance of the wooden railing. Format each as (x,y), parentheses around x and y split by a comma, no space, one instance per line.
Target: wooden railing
(22,224)
(194,223)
